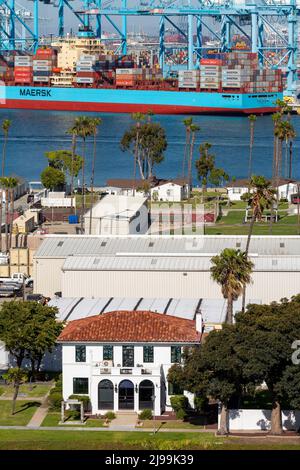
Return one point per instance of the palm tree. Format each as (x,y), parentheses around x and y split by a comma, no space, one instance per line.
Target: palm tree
(6,123)
(288,132)
(187,122)
(252,118)
(74,131)
(261,198)
(193,129)
(231,269)
(84,128)
(96,123)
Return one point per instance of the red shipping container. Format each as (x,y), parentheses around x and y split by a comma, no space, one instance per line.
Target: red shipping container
(23,69)
(44,52)
(23,75)
(211,62)
(87,74)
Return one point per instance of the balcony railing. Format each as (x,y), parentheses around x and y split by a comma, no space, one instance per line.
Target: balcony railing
(98,369)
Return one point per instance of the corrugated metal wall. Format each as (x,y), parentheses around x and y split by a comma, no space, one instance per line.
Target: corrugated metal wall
(47,276)
(266,286)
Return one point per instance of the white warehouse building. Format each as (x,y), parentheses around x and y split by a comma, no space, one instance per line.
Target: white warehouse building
(161,266)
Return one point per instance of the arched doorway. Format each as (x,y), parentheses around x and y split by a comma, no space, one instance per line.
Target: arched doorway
(105,395)
(126,395)
(146,393)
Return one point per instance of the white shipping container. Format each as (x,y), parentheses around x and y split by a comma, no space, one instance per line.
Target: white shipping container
(42,68)
(24,63)
(42,62)
(84,80)
(22,57)
(84,63)
(41,79)
(186,85)
(128,71)
(91,58)
(209,85)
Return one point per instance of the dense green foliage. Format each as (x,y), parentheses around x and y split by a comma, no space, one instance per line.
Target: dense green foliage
(146,414)
(52,178)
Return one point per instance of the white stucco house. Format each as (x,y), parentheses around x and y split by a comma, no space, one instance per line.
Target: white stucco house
(121,359)
(235,189)
(170,191)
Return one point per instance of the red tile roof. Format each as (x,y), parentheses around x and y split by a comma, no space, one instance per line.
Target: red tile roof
(131,326)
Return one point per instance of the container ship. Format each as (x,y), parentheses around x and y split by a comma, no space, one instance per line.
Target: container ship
(79,75)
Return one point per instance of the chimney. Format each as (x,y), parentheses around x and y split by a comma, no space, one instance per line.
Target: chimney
(199,322)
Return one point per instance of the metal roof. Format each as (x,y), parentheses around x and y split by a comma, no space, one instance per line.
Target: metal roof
(213,310)
(171,263)
(81,245)
(117,207)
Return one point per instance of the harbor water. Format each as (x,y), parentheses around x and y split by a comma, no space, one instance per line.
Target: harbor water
(33,133)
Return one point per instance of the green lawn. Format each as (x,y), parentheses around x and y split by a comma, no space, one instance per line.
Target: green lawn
(24,412)
(176,424)
(53,418)
(79,440)
(34,390)
(278,229)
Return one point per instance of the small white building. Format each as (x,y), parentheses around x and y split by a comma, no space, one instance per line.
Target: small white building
(170,191)
(121,359)
(118,215)
(174,190)
(235,189)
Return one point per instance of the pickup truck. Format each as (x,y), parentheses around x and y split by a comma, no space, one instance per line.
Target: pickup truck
(11,290)
(17,278)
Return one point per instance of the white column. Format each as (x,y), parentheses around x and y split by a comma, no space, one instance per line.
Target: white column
(136,397)
(157,404)
(116,396)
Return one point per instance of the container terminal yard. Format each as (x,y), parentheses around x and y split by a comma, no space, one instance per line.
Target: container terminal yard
(149,262)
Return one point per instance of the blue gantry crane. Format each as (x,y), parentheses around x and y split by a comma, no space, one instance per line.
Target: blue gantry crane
(270,26)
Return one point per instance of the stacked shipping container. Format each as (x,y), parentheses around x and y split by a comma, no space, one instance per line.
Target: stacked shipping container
(43,62)
(23,69)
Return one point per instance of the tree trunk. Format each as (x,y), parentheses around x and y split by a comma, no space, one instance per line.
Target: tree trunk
(72,168)
(229,315)
(12,209)
(286,159)
(223,429)
(276,419)
(3,155)
(246,252)
(186,152)
(291,159)
(83,189)
(92,185)
(298,208)
(1,216)
(191,160)
(14,400)
(6,218)
(250,150)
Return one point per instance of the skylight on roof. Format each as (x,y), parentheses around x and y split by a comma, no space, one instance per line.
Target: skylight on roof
(282,245)
(151,244)
(60,243)
(96,261)
(103,243)
(154,261)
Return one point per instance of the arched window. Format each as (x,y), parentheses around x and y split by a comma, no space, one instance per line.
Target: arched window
(146,395)
(105,395)
(126,395)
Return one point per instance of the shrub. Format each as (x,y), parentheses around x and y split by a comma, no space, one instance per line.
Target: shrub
(146,414)
(181,414)
(72,414)
(110,415)
(1,390)
(200,403)
(179,402)
(84,398)
(55,400)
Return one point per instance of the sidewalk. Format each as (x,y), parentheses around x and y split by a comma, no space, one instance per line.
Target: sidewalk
(40,413)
